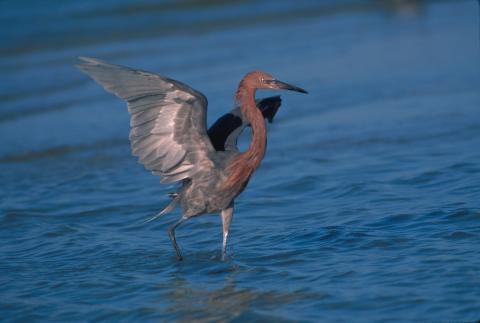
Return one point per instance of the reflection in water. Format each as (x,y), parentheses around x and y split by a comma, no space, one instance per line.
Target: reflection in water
(200,302)
(215,304)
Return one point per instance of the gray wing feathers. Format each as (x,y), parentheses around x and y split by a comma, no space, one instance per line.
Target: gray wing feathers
(168,119)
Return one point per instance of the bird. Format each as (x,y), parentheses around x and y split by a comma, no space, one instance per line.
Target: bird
(169,136)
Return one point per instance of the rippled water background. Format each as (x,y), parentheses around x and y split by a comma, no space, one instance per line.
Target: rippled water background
(367,205)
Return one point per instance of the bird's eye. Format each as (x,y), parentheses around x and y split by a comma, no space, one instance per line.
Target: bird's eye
(262,80)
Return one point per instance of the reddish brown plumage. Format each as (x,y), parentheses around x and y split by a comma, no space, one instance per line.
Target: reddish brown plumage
(242,167)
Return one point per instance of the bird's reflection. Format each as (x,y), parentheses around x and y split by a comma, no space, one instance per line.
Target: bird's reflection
(223,298)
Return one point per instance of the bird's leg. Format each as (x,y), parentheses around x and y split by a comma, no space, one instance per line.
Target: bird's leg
(226,215)
(171,234)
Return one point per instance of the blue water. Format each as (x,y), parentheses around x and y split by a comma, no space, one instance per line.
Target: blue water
(366,207)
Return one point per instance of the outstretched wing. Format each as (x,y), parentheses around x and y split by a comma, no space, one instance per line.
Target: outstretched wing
(226,130)
(167,119)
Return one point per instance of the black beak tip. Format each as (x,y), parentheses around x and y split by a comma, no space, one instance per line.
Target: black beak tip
(285,86)
(296,89)
(290,87)
(302,91)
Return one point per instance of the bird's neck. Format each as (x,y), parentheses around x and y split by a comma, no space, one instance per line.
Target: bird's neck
(256,149)
(242,167)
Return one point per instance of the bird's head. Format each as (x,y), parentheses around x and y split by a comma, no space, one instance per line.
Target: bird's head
(262,80)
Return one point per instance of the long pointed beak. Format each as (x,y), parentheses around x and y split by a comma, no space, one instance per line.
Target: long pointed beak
(285,86)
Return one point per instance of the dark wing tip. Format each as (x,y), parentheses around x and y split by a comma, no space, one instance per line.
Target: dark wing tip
(222,128)
(269,107)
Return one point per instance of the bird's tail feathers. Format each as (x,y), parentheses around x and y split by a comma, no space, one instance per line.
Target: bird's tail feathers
(167,209)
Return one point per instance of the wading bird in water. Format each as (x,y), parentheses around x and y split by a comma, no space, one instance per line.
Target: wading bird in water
(169,136)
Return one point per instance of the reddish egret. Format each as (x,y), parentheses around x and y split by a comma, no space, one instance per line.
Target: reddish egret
(169,136)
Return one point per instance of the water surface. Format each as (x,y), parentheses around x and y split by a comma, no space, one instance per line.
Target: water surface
(366,207)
